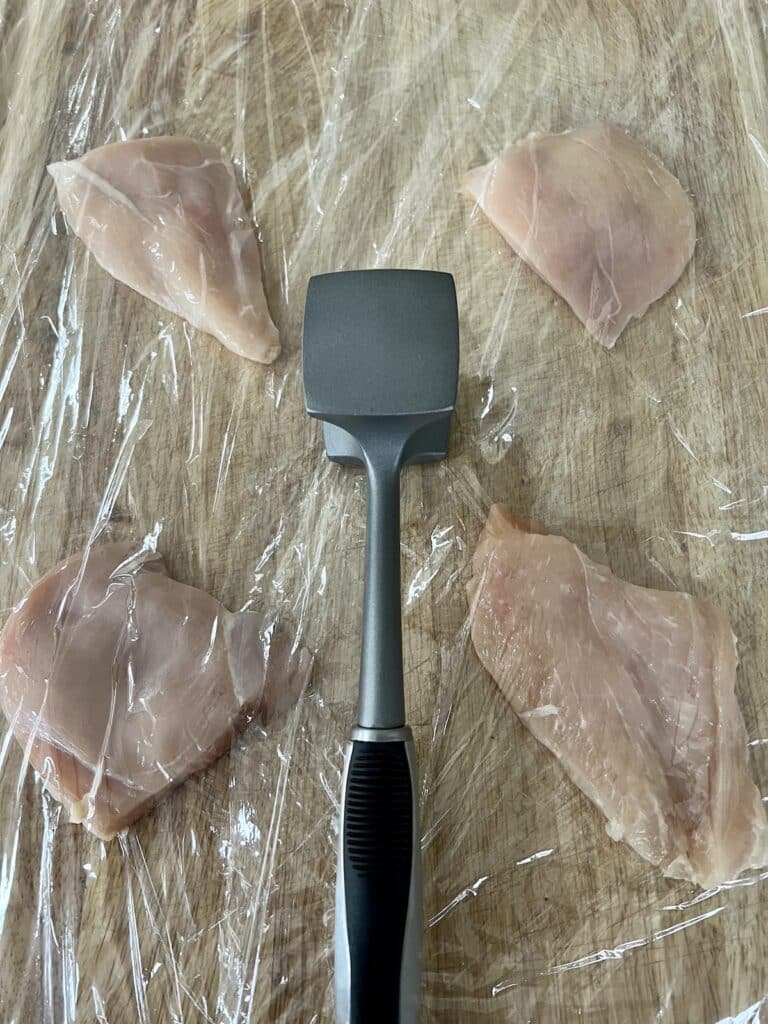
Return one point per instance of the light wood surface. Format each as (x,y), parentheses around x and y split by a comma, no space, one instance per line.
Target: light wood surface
(351,125)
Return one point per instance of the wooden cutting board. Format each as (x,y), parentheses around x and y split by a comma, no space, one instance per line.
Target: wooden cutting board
(351,125)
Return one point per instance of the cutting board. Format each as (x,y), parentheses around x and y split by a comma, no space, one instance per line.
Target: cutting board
(350,125)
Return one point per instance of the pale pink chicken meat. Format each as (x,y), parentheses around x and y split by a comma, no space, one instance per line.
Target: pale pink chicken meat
(632,689)
(164,216)
(596,215)
(120,682)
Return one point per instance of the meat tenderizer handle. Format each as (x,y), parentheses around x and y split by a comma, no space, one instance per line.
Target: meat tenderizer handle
(378,888)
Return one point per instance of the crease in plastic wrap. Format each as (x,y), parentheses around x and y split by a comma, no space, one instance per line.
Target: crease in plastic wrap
(350,127)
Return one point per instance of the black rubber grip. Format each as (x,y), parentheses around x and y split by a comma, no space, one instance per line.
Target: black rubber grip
(378,845)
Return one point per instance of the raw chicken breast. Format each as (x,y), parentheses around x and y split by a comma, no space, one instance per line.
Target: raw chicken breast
(596,215)
(632,689)
(164,216)
(120,681)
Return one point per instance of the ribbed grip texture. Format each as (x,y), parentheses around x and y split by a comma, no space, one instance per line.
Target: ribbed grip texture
(379,811)
(378,866)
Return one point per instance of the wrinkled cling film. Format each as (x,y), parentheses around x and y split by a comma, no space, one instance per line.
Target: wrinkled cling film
(350,126)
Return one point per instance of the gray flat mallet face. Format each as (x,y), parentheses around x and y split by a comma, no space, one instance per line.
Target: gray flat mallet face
(379,344)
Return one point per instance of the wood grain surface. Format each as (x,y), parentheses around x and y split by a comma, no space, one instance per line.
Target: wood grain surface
(350,125)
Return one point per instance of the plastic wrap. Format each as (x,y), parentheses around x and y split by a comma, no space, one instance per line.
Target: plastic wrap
(350,126)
